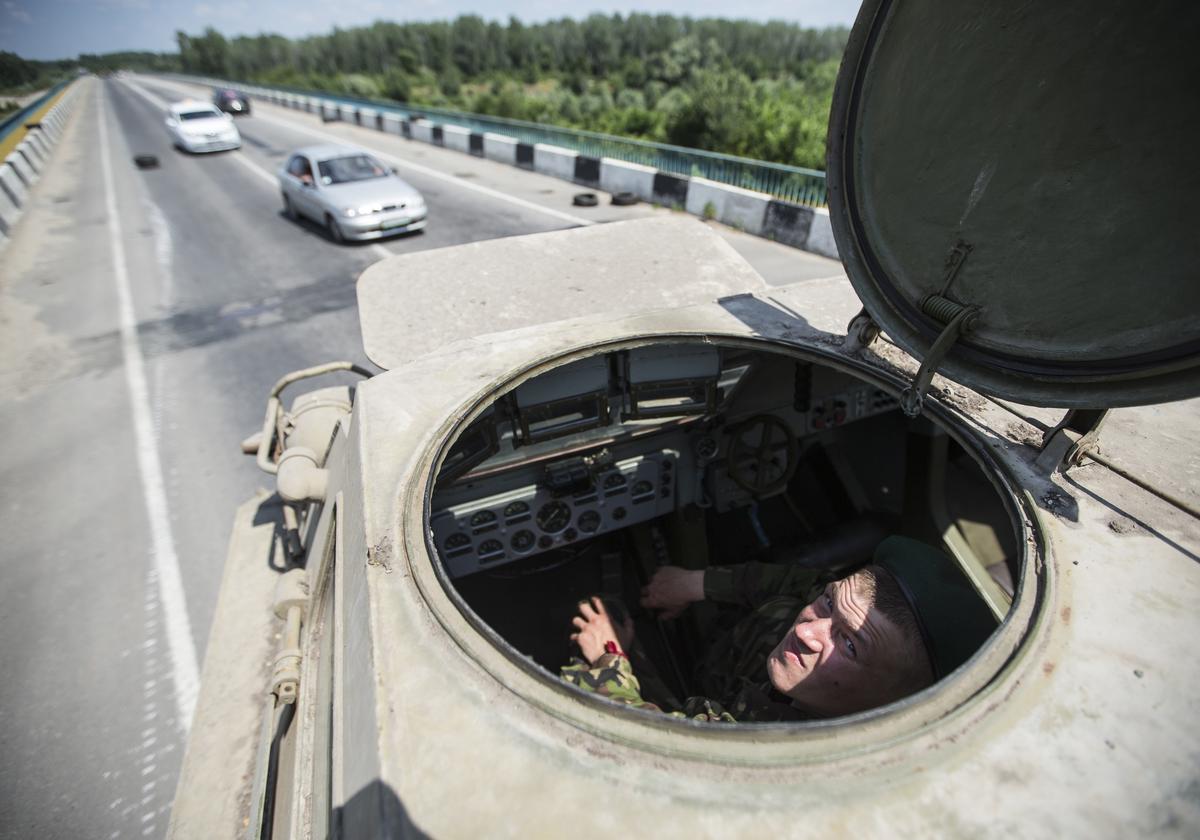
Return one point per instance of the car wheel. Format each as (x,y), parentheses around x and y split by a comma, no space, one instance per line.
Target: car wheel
(288,209)
(335,231)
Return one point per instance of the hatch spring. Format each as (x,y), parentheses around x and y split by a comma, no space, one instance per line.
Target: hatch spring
(959,320)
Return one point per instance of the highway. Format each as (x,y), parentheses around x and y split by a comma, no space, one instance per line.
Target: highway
(145,314)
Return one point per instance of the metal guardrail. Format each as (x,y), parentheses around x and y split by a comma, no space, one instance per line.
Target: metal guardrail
(17,119)
(790,183)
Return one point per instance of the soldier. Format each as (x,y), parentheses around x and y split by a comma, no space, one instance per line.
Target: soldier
(809,649)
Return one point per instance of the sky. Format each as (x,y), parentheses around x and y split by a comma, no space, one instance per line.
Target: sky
(47,29)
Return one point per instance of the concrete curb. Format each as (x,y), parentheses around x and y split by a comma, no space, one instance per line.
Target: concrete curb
(21,169)
(800,226)
(457,138)
(422,131)
(554,161)
(742,209)
(500,148)
(619,176)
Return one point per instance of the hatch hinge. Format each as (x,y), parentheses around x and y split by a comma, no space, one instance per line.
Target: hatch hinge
(1076,436)
(960,319)
(860,332)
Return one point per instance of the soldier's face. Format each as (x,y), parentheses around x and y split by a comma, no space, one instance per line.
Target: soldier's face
(840,655)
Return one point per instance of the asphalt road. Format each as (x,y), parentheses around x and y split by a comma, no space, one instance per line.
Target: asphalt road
(143,316)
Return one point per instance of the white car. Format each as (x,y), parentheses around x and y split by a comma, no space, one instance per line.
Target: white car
(200,127)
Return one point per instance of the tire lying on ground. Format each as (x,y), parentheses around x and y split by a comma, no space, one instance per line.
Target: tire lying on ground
(146,161)
(585,200)
(624,199)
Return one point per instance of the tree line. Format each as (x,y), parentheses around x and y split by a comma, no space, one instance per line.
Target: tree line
(761,90)
(21,75)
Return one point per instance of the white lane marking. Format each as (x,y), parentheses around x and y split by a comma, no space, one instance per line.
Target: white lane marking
(432,173)
(170,584)
(252,167)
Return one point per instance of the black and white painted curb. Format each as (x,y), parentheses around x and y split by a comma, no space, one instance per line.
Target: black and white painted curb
(29,159)
(757,213)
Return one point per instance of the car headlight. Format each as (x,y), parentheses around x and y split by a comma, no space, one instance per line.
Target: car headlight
(350,212)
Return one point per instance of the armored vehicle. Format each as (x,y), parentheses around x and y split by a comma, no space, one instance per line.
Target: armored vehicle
(558,415)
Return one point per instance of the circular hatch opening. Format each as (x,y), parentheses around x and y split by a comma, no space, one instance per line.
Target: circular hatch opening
(585,475)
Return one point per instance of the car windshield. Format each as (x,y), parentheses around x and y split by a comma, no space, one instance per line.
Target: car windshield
(207,114)
(350,168)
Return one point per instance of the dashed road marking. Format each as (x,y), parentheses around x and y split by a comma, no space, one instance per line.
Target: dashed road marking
(184,671)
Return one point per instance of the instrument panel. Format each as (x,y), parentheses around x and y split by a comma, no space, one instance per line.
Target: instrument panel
(498,529)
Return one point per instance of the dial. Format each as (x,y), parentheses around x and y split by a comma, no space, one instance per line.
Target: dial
(482,518)
(523,540)
(589,521)
(515,509)
(642,487)
(553,517)
(489,549)
(457,540)
(614,480)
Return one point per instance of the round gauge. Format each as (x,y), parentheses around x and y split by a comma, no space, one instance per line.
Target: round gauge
(614,480)
(552,517)
(457,540)
(523,540)
(589,521)
(490,547)
(482,518)
(618,513)
(642,487)
(515,509)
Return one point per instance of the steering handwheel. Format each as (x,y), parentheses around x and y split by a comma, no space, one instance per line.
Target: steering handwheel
(752,461)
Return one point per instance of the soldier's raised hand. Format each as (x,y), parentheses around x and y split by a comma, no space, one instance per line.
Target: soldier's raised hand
(671,589)
(594,628)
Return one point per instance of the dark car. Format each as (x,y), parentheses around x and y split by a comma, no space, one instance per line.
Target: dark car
(231,101)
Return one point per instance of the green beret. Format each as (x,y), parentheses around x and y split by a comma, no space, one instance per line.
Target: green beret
(954,620)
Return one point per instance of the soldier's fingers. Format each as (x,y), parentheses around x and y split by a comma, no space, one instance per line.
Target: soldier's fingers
(586,610)
(599,605)
(579,622)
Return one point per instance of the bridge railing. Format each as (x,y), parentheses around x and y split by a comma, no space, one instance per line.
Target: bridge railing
(790,183)
(12,123)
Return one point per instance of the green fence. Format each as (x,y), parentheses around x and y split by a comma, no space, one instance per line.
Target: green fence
(790,183)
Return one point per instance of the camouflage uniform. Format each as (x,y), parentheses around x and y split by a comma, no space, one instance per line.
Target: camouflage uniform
(733,675)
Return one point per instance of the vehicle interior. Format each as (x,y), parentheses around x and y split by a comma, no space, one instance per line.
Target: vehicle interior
(584,480)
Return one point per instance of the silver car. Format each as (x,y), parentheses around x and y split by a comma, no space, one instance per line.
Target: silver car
(350,193)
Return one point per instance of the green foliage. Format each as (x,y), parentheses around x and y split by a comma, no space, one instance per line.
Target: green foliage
(761,90)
